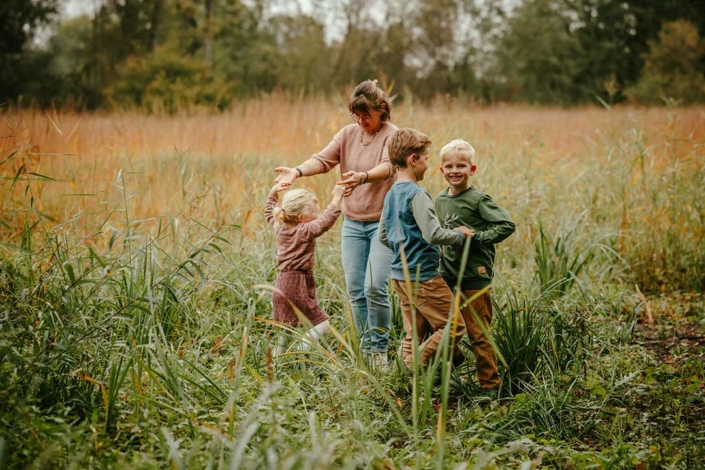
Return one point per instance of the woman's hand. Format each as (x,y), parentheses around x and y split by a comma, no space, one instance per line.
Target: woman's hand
(351,180)
(286,174)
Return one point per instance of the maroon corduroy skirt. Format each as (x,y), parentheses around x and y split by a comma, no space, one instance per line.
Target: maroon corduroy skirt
(297,288)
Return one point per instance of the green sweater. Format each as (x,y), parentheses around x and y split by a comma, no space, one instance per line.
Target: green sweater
(491,223)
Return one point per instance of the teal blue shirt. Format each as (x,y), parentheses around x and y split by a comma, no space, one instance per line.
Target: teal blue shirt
(409,227)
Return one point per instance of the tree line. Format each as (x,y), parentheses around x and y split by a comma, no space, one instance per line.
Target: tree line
(166,55)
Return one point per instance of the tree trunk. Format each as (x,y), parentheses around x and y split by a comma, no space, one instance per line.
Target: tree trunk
(157,10)
(208,43)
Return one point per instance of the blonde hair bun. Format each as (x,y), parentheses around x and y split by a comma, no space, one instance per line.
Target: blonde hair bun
(295,203)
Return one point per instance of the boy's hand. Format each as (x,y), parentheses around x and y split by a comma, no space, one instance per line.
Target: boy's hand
(280,186)
(467,232)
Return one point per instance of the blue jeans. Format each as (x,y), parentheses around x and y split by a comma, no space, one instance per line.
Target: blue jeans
(367,263)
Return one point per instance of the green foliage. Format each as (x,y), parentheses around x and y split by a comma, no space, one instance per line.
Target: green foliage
(164,81)
(673,68)
(542,66)
(668,254)
(301,63)
(522,328)
(537,51)
(68,46)
(246,53)
(19,19)
(152,351)
(546,409)
(582,50)
(557,263)
(534,340)
(79,64)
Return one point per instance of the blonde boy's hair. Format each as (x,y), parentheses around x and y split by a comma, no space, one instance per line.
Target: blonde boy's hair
(294,204)
(459,148)
(404,142)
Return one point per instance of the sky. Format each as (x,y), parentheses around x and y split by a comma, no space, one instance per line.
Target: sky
(335,25)
(71,8)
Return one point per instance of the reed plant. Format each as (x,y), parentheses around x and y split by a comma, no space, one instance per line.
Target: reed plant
(558,262)
(136,269)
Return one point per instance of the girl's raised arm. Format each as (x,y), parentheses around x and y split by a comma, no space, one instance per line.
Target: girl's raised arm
(272,199)
(322,224)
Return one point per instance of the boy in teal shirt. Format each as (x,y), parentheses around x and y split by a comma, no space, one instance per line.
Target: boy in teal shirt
(461,204)
(409,227)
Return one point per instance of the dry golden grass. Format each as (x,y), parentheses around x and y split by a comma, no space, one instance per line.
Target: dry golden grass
(152,350)
(216,168)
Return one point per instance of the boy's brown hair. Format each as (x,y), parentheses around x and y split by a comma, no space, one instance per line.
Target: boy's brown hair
(404,142)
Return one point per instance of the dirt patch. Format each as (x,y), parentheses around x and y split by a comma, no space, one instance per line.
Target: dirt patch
(672,327)
(682,340)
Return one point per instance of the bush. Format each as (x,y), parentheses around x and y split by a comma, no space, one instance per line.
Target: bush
(671,73)
(163,81)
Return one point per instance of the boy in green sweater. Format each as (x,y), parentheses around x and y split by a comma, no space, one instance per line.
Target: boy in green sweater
(461,204)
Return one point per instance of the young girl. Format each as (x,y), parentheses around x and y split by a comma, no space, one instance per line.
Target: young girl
(297,227)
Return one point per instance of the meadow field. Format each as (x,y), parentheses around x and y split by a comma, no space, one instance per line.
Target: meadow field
(136,270)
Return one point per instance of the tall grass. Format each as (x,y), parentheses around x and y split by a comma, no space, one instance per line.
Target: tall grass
(133,321)
(557,265)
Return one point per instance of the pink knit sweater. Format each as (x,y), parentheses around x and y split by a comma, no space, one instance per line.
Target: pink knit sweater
(347,150)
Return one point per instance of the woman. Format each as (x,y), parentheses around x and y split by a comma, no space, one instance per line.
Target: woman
(361,151)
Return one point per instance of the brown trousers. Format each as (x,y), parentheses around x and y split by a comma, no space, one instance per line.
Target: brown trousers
(426,308)
(480,310)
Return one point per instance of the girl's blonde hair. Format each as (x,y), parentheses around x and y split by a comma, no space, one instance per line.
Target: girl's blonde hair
(294,204)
